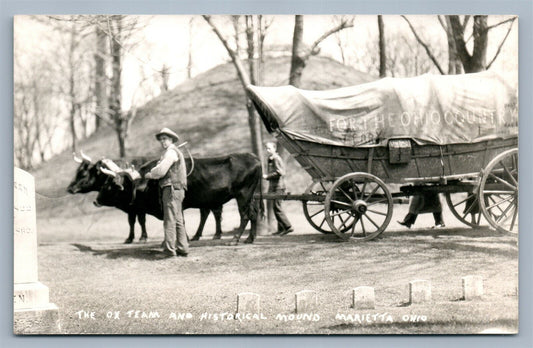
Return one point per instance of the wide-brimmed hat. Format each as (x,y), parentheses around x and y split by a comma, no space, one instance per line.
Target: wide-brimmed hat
(169,133)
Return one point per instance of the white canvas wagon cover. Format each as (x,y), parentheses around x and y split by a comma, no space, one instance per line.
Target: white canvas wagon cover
(430,109)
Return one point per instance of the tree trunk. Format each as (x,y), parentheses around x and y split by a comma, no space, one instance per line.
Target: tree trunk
(382,52)
(454,64)
(100,88)
(477,61)
(72,95)
(255,125)
(245,81)
(189,54)
(115,103)
(297,61)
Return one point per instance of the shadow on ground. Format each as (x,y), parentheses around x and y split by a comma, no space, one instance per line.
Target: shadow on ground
(460,239)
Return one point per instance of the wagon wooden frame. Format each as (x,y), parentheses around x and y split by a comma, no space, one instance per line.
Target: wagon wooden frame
(350,193)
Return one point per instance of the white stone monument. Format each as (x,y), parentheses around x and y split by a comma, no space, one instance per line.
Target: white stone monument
(419,291)
(33,313)
(472,287)
(306,301)
(364,298)
(248,302)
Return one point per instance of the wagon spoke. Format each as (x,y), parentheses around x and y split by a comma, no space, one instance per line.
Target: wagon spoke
(354,188)
(509,173)
(376,212)
(515,214)
(363,189)
(478,218)
(469,209)
(372,221)
(344,204)
(502,181)
(347,196)
(372,193)
(322,223)
(499,203)
(362,226)
(377,202)
(504,214)
(339,212)
(343,222)
(460,202)
(315,214)
(494,205)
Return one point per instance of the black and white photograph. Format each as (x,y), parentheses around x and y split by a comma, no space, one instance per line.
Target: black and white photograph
(266,174)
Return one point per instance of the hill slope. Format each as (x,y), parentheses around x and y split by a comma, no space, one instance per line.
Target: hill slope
(208,112)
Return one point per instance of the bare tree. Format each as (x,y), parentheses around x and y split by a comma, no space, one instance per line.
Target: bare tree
(458,44)
(119,29)
(427,48)
(300,53)
(100,81)
(36,118)
(382,48)
(454,63)
(245,79)
(190,48)
(164,74)
(263,25)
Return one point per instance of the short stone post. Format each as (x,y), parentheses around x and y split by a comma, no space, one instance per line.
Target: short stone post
(306,301)
(472,287)
(248,302)
(419,291)
(33,313)
(364,298)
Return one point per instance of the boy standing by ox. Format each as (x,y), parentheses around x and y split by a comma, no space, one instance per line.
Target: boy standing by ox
(276,184)
(172,175)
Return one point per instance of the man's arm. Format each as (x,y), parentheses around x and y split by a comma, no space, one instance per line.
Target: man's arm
(279,169)
(161,169)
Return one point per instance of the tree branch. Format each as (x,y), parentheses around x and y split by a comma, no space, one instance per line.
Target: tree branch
(343,25)
(465,21)
(219,35)
(491,27)
(442,23)
(426,47)
(501,44)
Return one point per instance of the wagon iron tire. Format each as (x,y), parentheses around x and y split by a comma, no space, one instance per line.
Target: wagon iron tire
(498,192)
(464,205)
(365,204)
(314,211)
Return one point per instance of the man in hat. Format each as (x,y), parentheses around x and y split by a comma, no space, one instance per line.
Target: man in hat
(172,174)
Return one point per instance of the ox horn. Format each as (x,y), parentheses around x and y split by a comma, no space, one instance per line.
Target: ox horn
(108,172)
(76,158)
(85,157)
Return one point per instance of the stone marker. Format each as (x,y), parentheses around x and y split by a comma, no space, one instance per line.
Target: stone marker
(248,302)
(419,291)
(306,301)
(472,287)
(364,298)
(33,314)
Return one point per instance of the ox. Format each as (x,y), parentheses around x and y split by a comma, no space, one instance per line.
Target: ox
(90,177)
(212,183)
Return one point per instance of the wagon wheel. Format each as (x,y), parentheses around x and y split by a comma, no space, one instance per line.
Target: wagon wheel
(314,210)
(465,207)
(498,192)
(364,202)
